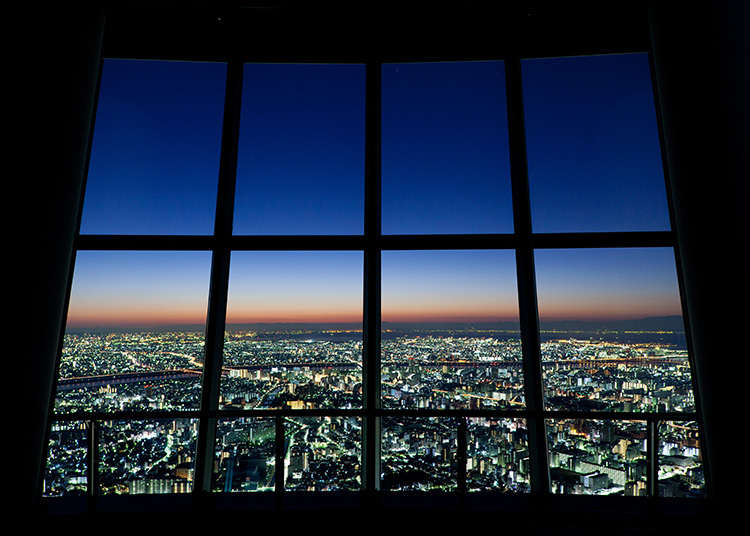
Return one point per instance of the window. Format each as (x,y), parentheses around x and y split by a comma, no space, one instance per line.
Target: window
(445,277)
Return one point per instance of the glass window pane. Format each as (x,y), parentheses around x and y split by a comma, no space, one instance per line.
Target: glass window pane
(450,330)
(680,460)
(67,460)
(445,159)
(155,155)
(612,332)
(593,146)
(294,330)
(245,456)
(147,457)
(135,332)
(419,454)
(301,152)
(591,457)
(497,455)
(322,453)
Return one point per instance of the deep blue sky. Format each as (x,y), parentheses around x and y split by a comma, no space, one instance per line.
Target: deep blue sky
(445,158)
(155,155)
(593,145)
(301,151)
(593,157)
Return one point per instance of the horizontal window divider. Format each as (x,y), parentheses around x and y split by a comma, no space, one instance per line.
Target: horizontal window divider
(234,414)
(145,242)
(385,242)
(484,53)
(323,412)
(456,413)
(604,240)
(223,501)
(620,415)
(296,242)
(532,51)
(127,416)
(210,242)
(147,503)
(113,52)
(447,241)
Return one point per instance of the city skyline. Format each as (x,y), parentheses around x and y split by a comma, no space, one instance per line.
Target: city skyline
(111,372)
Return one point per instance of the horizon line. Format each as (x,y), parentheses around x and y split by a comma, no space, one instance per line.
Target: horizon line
(138,325)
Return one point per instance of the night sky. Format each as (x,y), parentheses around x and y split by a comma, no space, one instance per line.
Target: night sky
(594,165)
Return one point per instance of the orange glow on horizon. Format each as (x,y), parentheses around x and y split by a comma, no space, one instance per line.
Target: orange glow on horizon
(155,318)
(344,318)
(578,312)
(600,311)
(445,317)
(134,319)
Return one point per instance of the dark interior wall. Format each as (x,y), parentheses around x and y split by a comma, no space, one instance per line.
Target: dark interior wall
(700,59)
(66,75)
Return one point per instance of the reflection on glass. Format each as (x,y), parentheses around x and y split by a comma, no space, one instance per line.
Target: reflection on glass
(497,455)
(147,457)
(155,154)
(680,461)
(300,167)
(67,460)
(593,457)
(612,332)
(419,454)
(322,453)
(445,157)
(134,338)
(450,330)
(245,456)
(294,331)
(593,145)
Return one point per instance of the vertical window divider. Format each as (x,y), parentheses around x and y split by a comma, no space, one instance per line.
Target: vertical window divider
(219,285)
(279,458)
(462,455)
(93,462)
(372,279)
(527,295)
(652,477)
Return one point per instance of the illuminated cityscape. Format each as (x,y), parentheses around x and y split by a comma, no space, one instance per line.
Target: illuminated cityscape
(420,370)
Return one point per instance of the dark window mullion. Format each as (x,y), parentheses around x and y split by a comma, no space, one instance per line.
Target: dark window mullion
(219,286)
(527,297)
(461,454)
(278,453)
(372,280)
(93,462)
(652,457)
(697,397)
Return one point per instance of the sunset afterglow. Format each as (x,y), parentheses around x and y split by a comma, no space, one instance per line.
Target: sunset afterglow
(155,162)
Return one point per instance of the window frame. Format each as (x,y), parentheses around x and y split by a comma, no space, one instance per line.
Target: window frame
(523,241)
